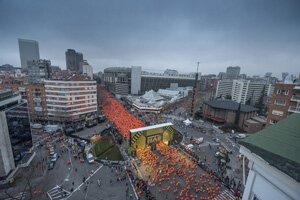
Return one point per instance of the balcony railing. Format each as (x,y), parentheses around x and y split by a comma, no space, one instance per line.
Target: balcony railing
(294,109)
(38,109)
(37,99)
(295,98)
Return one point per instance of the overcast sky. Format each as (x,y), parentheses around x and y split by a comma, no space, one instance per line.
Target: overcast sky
(258,35)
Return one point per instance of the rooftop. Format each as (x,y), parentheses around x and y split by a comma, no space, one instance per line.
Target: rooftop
(279,145)
(230,105)
(151,127)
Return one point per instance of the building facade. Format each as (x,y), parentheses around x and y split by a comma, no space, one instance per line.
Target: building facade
(274,163)
(73,60)
(239,91)
(285,101)
(123,81)
(233,72)
(15,132)
(37,104)
(224,88)
(225,111)
(87,70)
(29,51)
(70,101)
(39,70)
(242,91)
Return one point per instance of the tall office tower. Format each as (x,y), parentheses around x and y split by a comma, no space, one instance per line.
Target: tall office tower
(73,60)
(233,72)
(136,79)
(39,70)
(29,51)
(87,69)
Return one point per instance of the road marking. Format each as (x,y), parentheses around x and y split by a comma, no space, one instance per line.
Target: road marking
(57,193)
(226,194)
(19,196)
(133,188)
(91,175)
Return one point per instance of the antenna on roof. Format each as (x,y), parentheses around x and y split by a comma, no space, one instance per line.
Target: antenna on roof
(194,91)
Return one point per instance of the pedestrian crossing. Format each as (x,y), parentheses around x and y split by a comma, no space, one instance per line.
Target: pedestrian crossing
(226,194)
(58,193)
(19,196)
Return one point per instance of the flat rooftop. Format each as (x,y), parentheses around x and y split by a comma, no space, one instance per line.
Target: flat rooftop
(151,127)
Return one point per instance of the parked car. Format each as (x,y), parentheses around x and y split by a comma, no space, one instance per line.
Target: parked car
(51,165)
(53,158)
(79,127)
(70,130)
(37,126)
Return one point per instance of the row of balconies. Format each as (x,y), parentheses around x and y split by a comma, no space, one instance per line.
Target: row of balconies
(295,98)
(294,109)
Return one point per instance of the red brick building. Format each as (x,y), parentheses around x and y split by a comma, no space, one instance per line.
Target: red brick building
(285,100)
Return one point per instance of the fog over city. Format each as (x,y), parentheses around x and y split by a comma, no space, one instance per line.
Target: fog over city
(259,36)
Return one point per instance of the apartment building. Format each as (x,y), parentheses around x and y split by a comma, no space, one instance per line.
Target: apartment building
(37,105)
(71,100)
(239,91)
(285,100)
(243,90)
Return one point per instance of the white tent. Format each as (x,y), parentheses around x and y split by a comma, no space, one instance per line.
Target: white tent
(187,122)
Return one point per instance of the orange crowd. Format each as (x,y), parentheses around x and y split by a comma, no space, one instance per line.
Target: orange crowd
(175,173)
(117,114)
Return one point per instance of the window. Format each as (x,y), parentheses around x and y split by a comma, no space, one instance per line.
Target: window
(277,112)
(272,121)
(280,102)
(283,92)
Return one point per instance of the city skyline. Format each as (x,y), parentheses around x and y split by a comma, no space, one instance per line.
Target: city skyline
(258,36)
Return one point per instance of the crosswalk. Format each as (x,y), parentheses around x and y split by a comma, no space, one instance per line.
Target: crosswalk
(58,193)
(226,194)
(19,196)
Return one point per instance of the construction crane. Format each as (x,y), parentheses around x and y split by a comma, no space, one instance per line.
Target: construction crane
(194,91)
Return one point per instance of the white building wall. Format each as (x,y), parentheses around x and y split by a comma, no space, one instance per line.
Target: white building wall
(224,88)
(75,96)
(136,80)
(87,70)
(239,91)
(6,155)
(267,182)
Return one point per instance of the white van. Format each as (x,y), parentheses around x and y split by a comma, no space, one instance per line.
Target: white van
(199,140)
(90,158)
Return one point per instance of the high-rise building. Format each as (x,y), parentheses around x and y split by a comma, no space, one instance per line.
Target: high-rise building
(73,60)
(239,91)
(285,101)
(224,88)
(71,100)
(29,51)
(233,72)
(39,70)
(243,90)
(136,80)
(15,132)
(87,69)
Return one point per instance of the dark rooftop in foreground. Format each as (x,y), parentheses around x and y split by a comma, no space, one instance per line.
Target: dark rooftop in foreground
(279,145)
(230,105)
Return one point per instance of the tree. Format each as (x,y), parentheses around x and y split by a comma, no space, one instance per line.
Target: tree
(248,102)
(260,103)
